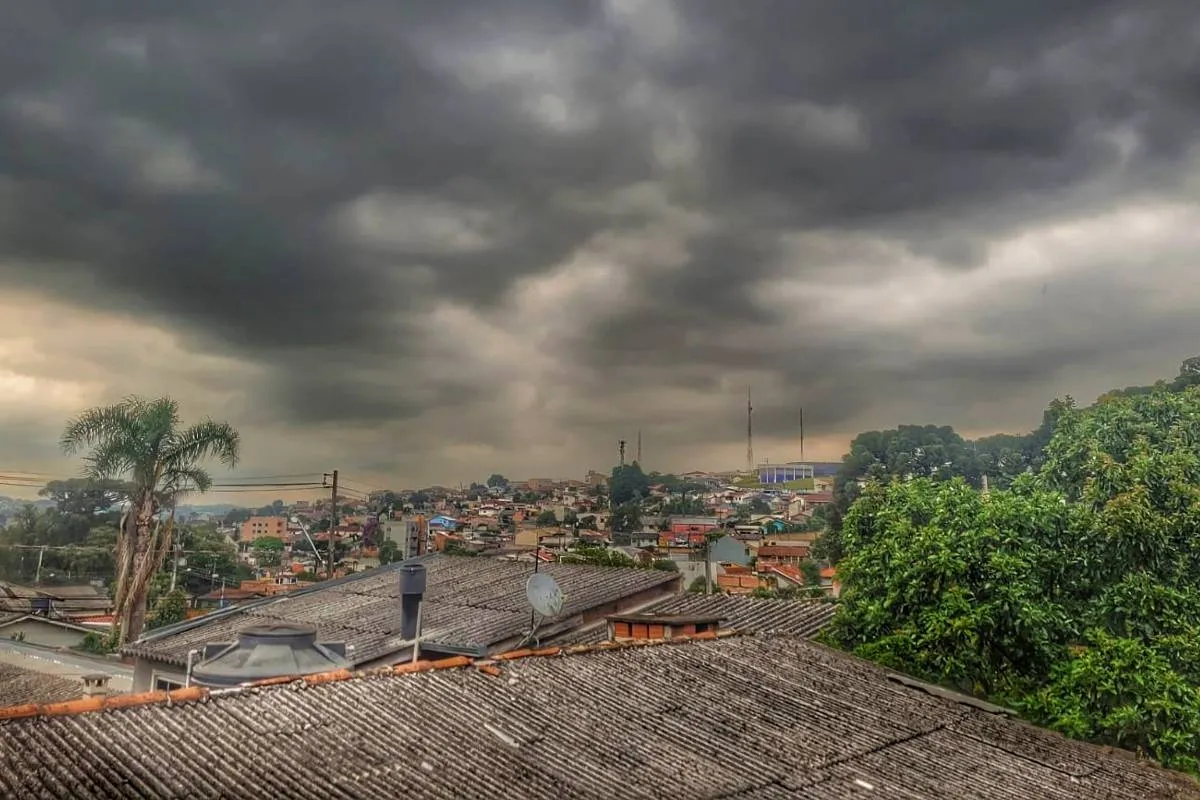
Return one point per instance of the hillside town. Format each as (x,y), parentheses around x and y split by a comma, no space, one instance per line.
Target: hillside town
(745,533)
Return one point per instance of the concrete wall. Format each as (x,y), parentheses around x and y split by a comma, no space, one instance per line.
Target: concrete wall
(145,672)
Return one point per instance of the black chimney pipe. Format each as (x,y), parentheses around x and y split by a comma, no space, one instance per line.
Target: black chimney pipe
(412,590)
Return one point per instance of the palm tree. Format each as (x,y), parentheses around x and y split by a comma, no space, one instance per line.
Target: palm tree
(143,442)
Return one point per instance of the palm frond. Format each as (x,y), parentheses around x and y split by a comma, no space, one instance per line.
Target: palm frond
(204,440)
(181,480)
(98,424)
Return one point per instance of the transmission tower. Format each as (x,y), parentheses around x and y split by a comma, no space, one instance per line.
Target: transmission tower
(621,450)
(749,432)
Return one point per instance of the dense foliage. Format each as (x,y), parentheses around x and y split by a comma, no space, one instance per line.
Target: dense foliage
(1072,595)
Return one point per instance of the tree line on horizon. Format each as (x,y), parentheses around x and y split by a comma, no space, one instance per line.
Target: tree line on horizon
(938,452)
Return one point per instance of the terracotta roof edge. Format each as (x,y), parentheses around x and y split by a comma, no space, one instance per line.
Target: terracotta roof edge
(195,694)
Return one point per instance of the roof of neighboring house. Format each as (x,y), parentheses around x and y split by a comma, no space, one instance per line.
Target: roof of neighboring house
(762,717)
(745,614)
(783,550)
(471,604)
(13,619)
(66,600)
(693,520)
(19,685)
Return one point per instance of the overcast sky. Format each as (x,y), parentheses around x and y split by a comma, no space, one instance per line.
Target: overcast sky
(426,241)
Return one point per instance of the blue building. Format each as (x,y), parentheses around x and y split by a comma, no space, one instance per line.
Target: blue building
(784,473)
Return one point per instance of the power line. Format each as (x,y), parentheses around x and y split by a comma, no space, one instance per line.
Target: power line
(369,486)
(98,549)
(271,489)
(265,485)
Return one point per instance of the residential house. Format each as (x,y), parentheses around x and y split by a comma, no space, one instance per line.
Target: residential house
(443,523)
(713,714)
(737,580)
(410,532)
(256,527)
(789,554)
(57,602)
(804,618)
(687,532)
(41,630)
(472,605)
(729,550)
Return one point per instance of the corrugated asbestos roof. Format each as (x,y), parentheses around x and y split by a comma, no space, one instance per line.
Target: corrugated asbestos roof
(19,685)
(746,614)
(470,603)
(747,717)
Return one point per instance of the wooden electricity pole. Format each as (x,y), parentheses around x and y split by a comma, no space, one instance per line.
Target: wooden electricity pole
(333,522)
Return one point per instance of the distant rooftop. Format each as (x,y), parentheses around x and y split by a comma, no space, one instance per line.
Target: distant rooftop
(745,614)
(471,604)
(19,685)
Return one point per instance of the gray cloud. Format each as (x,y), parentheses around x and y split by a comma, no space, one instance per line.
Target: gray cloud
(457,237)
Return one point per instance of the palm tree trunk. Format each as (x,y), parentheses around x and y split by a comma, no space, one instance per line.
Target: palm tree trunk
(133,614)
(123,563)
(158,544)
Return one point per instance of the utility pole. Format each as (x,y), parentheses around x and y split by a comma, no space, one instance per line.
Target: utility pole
(333,520)
(38,577)
(639,446)
(621,449)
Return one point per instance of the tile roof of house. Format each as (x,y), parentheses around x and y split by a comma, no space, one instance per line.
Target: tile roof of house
(745,614)
(761,716)
(471,603)
(19,685)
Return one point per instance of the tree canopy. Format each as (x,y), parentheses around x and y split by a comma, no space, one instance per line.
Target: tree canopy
(1073,595)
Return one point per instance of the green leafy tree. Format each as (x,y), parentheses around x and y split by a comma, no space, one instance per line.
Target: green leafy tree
(1073,596)
(628,483)
(546,518)
(86,497)
(627,517)
(948,585)
(497,481)
(143,443)
(170,608)
(389,552)
(268,551)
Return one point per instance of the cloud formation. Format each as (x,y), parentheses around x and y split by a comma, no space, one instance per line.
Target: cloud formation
(422,242)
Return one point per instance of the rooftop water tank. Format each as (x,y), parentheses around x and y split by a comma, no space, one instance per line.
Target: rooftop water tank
(268,651)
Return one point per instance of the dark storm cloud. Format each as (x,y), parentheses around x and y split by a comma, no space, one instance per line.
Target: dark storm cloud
(197,163)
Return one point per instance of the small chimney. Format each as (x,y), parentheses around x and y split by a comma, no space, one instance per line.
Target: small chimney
(412,591)
(95,685)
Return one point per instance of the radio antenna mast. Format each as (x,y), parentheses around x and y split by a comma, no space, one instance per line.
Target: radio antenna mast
(749,432)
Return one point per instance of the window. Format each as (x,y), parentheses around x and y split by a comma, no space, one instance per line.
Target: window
(166,685)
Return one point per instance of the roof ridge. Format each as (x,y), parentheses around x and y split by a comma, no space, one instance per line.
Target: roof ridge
(195,694)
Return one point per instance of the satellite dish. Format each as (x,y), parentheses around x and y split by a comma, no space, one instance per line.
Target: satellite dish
(544,595)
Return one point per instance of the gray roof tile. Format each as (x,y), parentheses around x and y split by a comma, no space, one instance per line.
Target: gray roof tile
(760,716)
(473,602)
(19,686)
(746,614)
